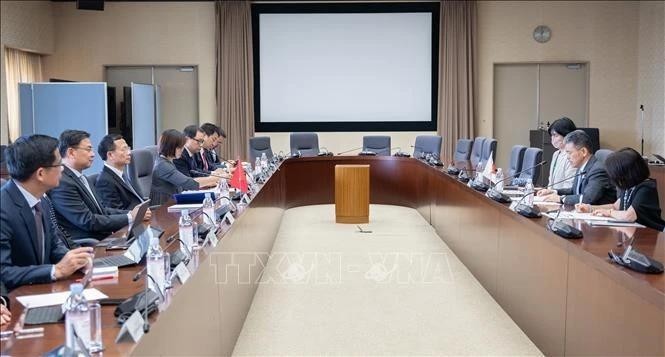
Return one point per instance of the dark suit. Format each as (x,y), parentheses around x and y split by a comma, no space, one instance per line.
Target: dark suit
(213,160)
(77,212)
(187,162)
(595,186)
(19,252)
(114,192)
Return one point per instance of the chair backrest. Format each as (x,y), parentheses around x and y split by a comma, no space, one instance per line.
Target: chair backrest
(489,148)
(477,151)
(427,144)
(139,171)
(516,158)
(532,156)
(594,135)
(380,144)
(463,150)
(306,143)
(154,151)
(602,154)
(259,145)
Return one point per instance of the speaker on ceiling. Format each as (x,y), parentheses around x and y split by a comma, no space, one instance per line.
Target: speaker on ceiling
(97,5)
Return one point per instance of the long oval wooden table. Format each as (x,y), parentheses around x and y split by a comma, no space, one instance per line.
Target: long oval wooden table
(564,294)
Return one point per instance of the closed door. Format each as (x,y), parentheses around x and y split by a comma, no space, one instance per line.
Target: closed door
(530,95)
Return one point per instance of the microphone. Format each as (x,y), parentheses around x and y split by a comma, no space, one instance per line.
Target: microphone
(324,152)
(348,151)
(296,154)
(562,229)
(530,212)
(634,260)
(399,152)
(503,198)
(146,323)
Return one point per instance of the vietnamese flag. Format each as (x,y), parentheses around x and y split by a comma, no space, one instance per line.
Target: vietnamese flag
(238,179)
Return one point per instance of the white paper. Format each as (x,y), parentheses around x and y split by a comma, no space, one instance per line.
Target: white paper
(212,237)
(182,273)
(245,199)
(229,218)
(57,298)
(133,328)
(189,206)
(615,224)
(582,216)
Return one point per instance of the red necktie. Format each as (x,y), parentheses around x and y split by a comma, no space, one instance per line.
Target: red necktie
(205,163)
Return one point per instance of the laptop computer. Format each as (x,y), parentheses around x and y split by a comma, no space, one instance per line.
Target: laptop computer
(124,242)
(133,254)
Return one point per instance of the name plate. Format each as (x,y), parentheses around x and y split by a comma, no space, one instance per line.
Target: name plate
(182,273)
(229,218)
(132,329)
(245,199)
(212,237)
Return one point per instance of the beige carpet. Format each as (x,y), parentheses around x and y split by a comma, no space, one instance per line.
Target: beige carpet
(331,290)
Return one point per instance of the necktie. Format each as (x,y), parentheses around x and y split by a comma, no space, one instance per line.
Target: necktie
(205,162)
(131,188)
(39,224)
(87,186)
(578,189)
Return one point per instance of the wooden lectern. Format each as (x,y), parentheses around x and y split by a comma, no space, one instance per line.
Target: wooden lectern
(352,193)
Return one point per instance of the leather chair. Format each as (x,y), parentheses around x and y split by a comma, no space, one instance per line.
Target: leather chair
(380,144)
(305,143)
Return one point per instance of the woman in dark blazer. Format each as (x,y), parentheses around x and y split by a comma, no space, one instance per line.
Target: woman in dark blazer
(638,194)
(166,179)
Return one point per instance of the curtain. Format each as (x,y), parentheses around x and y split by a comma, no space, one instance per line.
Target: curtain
(20,67)
(234,77)
(457,72)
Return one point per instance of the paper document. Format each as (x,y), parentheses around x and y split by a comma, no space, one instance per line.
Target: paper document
(577,215)
(616,224)
(57,298)
(180,207)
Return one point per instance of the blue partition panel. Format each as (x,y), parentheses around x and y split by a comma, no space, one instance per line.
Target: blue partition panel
(60,106)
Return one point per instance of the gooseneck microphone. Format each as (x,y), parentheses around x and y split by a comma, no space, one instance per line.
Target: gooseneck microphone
(530,212)
(348,151)
(503,198)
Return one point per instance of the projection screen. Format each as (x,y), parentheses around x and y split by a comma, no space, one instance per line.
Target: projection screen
(345,67)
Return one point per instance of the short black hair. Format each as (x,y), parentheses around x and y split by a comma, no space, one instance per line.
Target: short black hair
(562,126)
(580,139)
(28,153)
(107,144)
(70,139)
(210,129)
(191,130)
(170,140)
(626,168)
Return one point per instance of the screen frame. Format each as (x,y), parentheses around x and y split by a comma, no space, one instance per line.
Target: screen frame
(317,8)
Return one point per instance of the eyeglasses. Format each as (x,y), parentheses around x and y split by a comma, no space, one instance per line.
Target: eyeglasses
(200,141)
(88,149)
(60,164)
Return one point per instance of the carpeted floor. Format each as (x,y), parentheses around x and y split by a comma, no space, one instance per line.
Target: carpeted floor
(331,290)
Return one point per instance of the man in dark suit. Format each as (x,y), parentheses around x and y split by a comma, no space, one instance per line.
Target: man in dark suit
(113,186)
(593,185)
(31,248)
(78,208)
(189,163)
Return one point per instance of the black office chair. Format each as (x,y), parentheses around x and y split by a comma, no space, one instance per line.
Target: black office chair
(516,158)
(477,151)
(259,145)
(305,143)
(139,171)
(379,144)
(463,150)
(427,144)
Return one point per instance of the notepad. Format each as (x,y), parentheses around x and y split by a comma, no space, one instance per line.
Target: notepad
(57,298)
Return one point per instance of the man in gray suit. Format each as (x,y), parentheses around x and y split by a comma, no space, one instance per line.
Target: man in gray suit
(593,185)
(78,208)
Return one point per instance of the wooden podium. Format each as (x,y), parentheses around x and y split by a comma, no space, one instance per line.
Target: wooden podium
(352,193)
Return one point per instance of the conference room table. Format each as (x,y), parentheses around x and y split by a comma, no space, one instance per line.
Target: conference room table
(565,295)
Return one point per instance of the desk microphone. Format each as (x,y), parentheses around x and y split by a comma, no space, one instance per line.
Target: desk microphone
(399,152)
(529,211)
(562,229)
(503,198)
(348,151)
(324,152)
(429,157)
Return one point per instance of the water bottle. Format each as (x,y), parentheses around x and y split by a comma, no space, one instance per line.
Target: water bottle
(223,188)
(257,166)
(528,190)
(479,172)
(264,161)
(77,319)
(156,267)
(499,180)
(209,209)
(186,231)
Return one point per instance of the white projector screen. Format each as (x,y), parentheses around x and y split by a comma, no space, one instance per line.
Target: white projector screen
(345,67)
